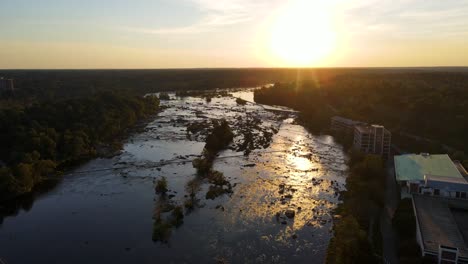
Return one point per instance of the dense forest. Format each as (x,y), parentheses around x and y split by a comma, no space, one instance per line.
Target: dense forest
(40,140)
(425,111)
(59,84)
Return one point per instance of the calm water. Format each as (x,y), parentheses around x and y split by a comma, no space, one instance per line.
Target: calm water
(103,211)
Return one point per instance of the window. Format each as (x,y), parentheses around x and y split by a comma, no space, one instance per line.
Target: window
(436,192)
(463,195)
(449,255)
(457,194)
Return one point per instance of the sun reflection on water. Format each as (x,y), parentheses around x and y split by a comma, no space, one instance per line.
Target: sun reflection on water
(293,178)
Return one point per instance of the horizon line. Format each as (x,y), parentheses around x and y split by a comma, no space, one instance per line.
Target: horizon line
(234,68)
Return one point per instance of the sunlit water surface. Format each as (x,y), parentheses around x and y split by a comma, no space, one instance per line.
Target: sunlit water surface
(106,214)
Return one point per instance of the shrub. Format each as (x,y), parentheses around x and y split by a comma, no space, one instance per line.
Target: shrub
(161,186)
(177,216)
(164,96)
(161,231)
(215,191)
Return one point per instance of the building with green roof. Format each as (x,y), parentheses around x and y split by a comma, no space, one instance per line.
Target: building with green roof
(412,170)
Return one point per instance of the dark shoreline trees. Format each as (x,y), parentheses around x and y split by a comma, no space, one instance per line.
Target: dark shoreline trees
(362,202)
(39,141)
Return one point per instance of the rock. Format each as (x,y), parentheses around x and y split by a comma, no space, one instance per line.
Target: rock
(290,213)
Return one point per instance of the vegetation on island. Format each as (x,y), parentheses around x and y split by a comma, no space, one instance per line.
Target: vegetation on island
(40,140)
(164,96)
(219,138)
(161,186)
(167,214)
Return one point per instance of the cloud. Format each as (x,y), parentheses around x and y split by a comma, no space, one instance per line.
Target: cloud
(216,14)
(406,18)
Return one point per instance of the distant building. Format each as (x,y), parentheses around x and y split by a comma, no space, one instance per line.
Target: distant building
(441,228)
(435,175)
(6,85)
(372,139)
(346,125)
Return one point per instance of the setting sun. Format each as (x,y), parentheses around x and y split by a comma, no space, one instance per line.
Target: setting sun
(302,34)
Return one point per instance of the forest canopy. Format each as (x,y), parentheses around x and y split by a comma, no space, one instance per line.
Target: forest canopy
(39,140)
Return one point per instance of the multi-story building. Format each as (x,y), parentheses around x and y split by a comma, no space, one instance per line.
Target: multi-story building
(372,139)
(6,85)
(346,125)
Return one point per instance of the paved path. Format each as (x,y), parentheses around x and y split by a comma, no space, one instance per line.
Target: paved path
(388,234)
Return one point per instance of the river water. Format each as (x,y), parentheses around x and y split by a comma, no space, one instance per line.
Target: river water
(103,211)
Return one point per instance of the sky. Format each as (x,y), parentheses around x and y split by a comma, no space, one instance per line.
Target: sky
(90,34)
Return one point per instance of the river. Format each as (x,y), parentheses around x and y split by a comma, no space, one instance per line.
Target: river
(103,211)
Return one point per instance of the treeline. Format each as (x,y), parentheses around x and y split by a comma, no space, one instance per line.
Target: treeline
(431,105)
(42,139)
(356,236)
(306,97)
(58,84)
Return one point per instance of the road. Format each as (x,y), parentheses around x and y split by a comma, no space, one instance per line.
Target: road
(392,198)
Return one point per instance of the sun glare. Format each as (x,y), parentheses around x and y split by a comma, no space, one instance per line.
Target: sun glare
(302,34)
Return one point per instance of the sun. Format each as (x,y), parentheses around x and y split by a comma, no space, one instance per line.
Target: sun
(302,34)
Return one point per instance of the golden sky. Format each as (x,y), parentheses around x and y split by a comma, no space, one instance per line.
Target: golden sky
(232,33)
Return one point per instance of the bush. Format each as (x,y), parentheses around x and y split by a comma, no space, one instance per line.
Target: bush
(219,138)
(177,216)
(164,96)
(215,191)
(161,231)
(161,186)
(349,244)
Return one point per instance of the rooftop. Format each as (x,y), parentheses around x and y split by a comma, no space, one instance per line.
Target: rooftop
(438,222)
(364,128)
(413,167)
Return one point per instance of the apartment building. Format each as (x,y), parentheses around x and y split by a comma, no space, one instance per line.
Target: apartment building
(372,139)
